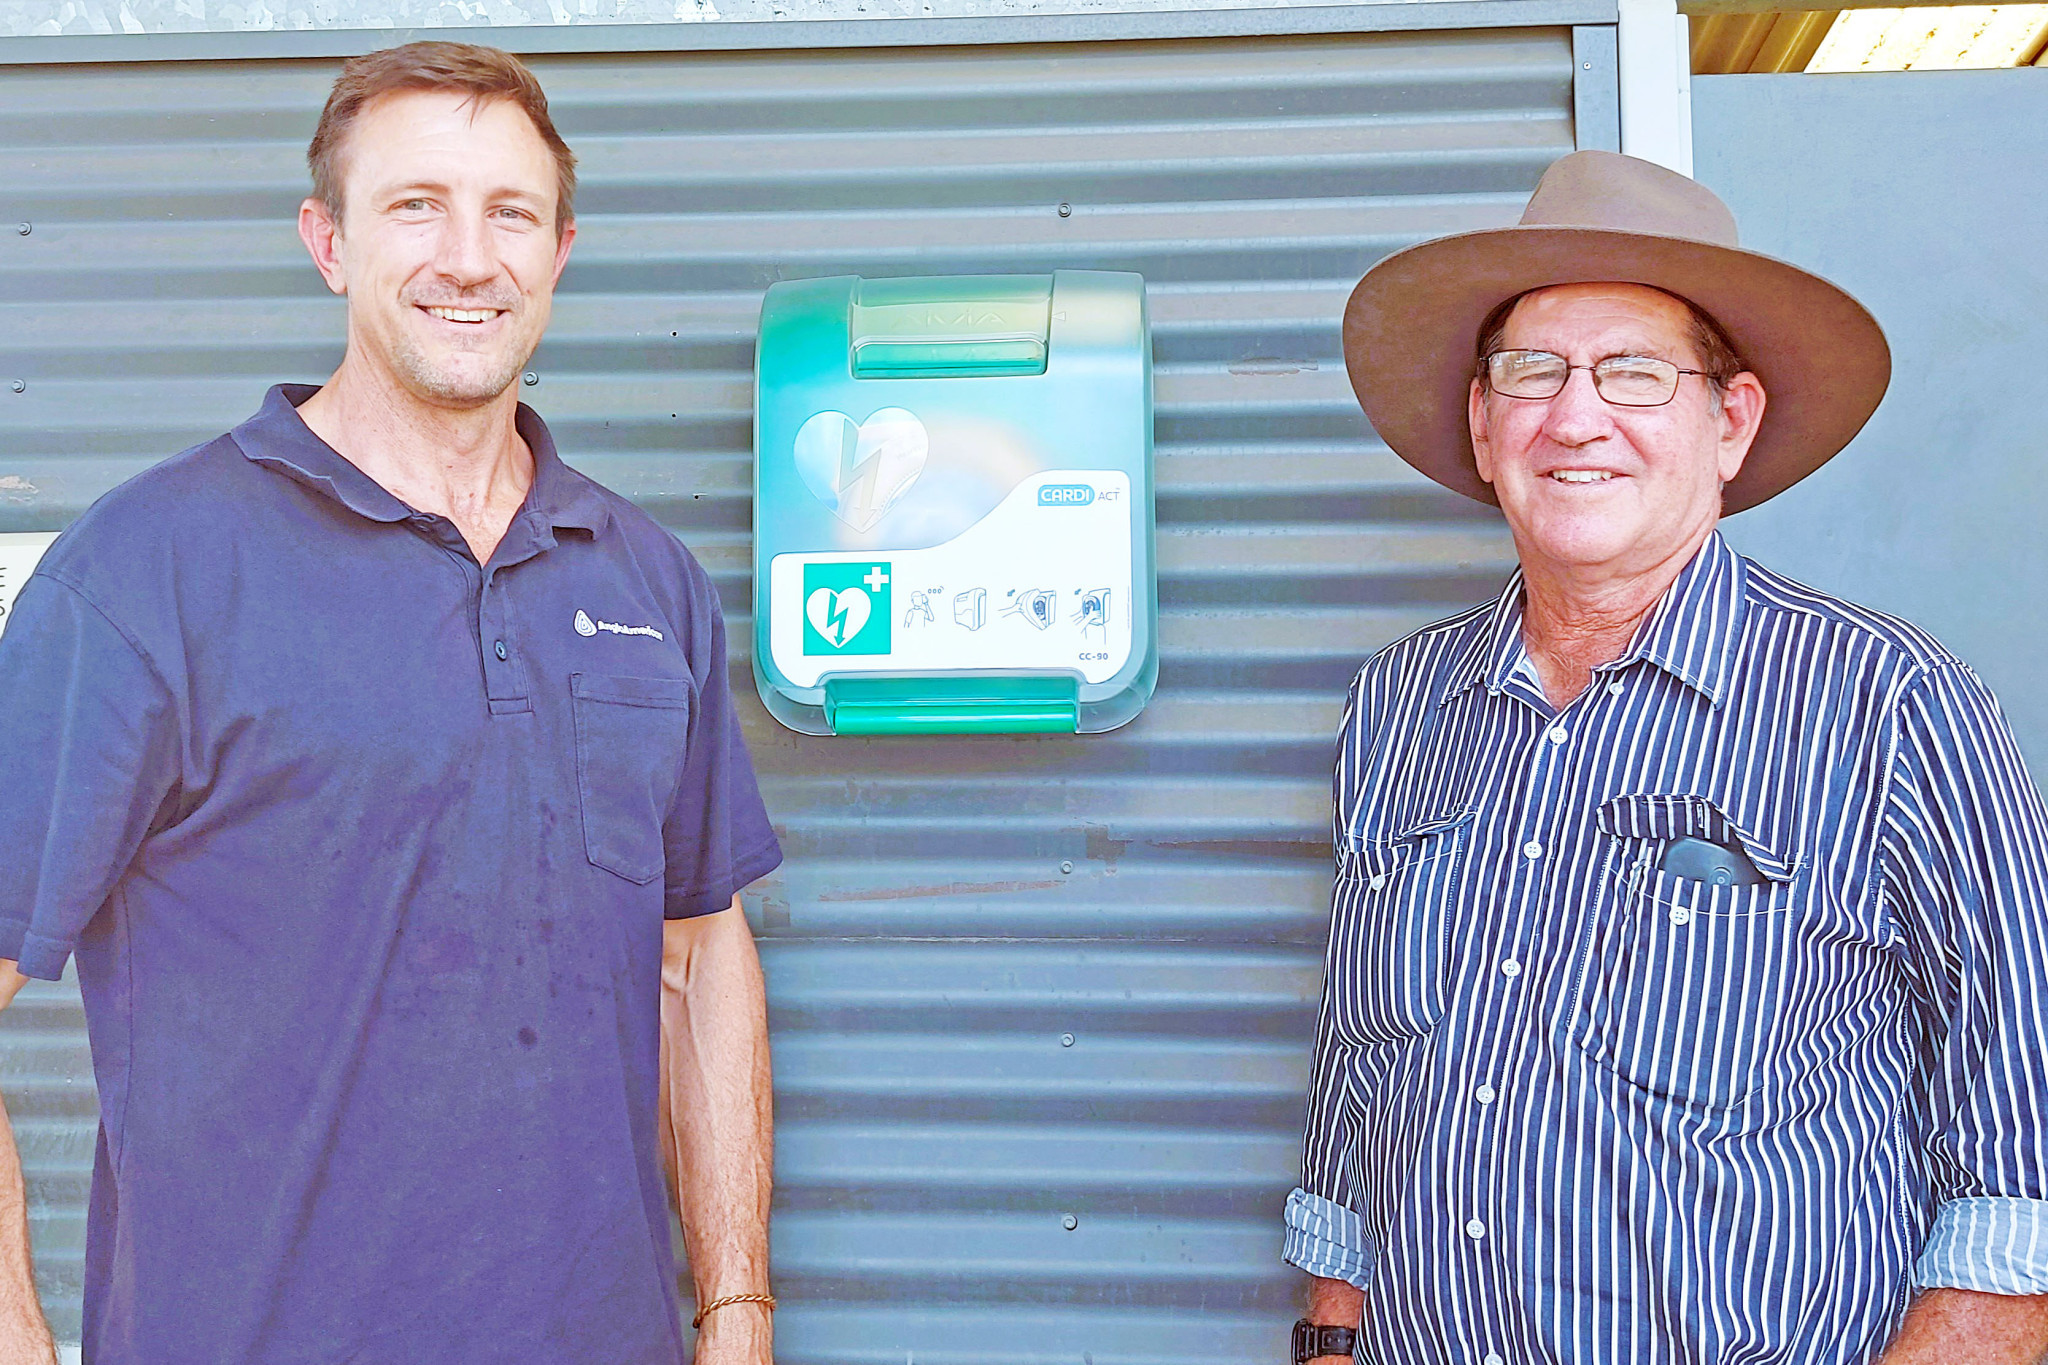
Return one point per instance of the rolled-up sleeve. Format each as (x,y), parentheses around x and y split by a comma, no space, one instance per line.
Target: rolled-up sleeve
(1323,1233)
(1324,1236)
(1966,882)
(1994,1246)
(88,756)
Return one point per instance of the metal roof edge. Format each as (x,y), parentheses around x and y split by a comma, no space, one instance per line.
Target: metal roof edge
(786,34)
(1702,8)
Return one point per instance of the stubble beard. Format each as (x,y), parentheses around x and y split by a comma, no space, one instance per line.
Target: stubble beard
(437,380)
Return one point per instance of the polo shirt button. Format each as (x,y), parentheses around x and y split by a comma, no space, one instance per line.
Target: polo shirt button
(1510,968)
(1558,734)
(503,653)
(1532,849)
(1475,1229)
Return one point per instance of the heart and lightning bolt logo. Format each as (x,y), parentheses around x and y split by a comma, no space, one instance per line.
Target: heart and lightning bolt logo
(861,470)
(847,608)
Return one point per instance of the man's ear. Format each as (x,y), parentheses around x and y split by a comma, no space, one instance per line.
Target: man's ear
(562,249)
(322,236)
(1475,418)
(1742,413)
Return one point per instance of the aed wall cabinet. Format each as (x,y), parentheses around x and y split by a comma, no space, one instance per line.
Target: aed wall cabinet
(953,526)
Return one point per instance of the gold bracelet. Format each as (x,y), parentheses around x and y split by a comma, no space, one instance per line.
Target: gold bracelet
(728,1300)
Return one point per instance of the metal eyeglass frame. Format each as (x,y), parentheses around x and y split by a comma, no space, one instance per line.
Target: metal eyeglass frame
(1486,367)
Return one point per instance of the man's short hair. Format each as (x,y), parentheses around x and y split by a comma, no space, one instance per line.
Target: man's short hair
(1718,359)
(482,73)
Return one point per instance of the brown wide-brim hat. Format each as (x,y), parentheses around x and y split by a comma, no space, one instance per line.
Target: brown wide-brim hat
(1412,327)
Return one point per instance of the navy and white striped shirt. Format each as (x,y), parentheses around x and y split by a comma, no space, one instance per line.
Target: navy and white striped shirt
(1570,1107)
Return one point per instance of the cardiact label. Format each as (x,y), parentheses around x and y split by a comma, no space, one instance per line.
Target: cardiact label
(19,555)
(1066,495)
(1041,583)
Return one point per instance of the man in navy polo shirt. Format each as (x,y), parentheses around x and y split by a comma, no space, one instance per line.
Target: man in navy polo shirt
(380,772)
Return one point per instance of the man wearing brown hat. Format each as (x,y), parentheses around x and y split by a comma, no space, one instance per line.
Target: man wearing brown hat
(1687,989)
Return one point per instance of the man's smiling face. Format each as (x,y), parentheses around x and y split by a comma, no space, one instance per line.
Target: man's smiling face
(448,248)
(1588,484)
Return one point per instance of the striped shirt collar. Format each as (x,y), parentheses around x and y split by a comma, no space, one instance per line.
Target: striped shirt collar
(1689,634)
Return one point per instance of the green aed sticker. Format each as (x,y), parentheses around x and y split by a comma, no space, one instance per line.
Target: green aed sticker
(846,608)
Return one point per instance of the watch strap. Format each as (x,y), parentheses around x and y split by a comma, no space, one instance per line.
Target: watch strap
(1313,1340)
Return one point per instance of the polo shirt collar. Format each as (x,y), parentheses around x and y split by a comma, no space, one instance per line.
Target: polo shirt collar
(1690,633)
(278,438)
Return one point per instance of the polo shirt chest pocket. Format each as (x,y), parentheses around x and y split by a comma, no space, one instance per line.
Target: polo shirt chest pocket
(1389,916)
(632,735)
(1683,980)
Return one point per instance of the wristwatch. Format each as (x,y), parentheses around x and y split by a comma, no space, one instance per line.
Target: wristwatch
(1312,1340)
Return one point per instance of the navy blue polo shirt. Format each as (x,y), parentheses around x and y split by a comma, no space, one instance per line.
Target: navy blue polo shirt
(364,853)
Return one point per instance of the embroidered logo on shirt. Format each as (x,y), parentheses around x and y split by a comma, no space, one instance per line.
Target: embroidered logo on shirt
(587,627)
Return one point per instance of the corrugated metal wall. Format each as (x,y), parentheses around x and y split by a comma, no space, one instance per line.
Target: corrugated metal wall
(1041,1006)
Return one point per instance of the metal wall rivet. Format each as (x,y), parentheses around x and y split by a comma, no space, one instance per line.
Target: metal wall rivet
(1589,66)
(26,228)
(21,386)
(1066,210)
(531,379)
(1069,1222)
(1066,1040)
(1066,865)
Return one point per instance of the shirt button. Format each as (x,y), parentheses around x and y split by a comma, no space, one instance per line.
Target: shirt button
(502,652)
(1558,734)
(1484,1094)
(1614,688)
(1475,1229)
(1532,849)
(1379,881)
(1510,968)
(1493,1358)
(1681,916)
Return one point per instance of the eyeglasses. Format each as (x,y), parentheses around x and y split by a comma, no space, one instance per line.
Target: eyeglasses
(1629,381)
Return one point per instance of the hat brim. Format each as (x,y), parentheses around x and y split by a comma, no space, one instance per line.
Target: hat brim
(1412,325)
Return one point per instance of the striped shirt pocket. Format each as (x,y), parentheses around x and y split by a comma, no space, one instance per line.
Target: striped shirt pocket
(1388,919)
(1683,982)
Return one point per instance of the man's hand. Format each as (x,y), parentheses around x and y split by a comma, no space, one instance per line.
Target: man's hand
(24,1333)
(1963,1327)
(717,1123)
(1334,1303)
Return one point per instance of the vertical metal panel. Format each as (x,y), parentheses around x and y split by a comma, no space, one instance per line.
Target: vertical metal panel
(1937,510)
(1014,980)
(1596,92)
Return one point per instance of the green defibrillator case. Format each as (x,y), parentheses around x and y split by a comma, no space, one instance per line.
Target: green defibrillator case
(953,526)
